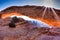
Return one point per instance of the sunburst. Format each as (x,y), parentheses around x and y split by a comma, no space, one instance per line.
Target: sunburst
(48,3)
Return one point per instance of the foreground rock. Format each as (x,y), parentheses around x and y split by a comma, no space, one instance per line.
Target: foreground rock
(24,30)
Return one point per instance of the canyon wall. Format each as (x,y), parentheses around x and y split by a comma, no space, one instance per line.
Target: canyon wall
(35,12)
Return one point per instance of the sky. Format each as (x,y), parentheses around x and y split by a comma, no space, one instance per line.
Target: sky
(7,3)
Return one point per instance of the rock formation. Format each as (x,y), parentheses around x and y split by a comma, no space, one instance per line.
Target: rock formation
(20,29)
(50,16)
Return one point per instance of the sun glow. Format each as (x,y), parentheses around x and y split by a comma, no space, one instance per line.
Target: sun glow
(48,3)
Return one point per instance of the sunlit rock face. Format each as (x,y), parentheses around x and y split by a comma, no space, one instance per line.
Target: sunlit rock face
(50,16)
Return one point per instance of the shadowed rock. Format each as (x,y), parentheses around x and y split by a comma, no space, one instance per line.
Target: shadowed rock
(15,19)
(12,24)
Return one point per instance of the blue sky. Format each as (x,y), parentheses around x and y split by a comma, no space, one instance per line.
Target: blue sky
(6,3)
(57,3)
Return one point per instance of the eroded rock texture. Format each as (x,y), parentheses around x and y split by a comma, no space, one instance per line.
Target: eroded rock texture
(24,30)
(49,15)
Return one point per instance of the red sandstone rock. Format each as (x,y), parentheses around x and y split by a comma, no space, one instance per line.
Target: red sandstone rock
(24,30)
